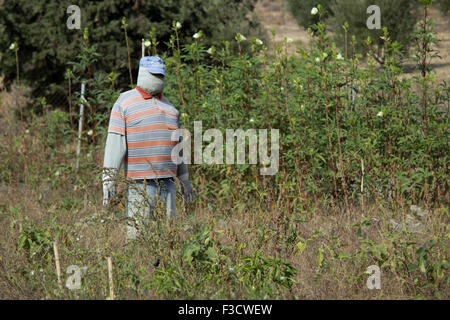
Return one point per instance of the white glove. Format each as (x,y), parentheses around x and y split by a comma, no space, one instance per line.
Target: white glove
(187,191)
(109,188)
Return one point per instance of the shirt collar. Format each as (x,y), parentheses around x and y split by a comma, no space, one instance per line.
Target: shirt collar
(146,95)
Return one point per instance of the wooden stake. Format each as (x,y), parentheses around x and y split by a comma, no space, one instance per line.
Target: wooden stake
(362,182)
(143,48)
(111,283)
(362,175)
(80,124)
(58,266)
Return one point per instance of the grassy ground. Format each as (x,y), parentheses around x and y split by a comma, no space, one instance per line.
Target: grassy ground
(254,250)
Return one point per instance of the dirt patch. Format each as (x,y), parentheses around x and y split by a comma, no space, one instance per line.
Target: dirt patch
(275,15)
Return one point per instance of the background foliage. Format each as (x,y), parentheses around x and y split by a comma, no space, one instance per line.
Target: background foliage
(46,44)
(399,17)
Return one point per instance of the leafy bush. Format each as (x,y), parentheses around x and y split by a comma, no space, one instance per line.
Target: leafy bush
(46,44)
(399,17)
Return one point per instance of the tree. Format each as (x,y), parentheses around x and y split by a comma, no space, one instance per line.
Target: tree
(46,44)
(399,17)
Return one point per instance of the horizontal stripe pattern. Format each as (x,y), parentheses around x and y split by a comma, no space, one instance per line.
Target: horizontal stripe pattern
(151,143)
(149,159)
(148,125)
(152,174)
(150,112)
(152,127)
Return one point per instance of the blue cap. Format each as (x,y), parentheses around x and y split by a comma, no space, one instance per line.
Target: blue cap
(153,65)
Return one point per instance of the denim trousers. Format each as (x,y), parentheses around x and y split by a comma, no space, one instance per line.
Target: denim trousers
(142,202)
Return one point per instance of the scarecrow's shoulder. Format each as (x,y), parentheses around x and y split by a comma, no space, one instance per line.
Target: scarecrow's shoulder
(167,105)
(132,93)
(127,98)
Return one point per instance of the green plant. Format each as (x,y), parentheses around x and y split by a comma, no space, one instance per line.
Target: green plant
(399,17)
(35,241)
(54,44)
(263,277)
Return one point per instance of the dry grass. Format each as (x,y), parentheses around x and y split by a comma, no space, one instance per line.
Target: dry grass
(87,234)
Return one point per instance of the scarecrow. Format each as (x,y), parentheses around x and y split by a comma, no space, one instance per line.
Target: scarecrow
(140,128)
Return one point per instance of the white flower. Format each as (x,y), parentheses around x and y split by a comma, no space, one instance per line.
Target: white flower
(289,40)
(314,11)
(252,120)
(147,43)
(90,132)
(211,50)
(231,269)
(302,107)
(40,270)
(324,55)
(102,221)
(259,42)
(32,273)
(282,278)
(197,35)
(380,114)
(317,60)
(57,173)
(12,46)
(27,131)
(339,56)
(178,25)
(78,239)
(240,37)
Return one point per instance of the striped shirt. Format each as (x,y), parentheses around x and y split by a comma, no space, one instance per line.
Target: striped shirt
(148,124)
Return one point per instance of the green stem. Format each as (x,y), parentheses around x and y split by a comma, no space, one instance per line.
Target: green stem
(128,51)
(17,66)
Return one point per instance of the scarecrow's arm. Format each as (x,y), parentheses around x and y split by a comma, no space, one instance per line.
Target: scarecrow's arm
(115,151)
(186,188)
(183,176)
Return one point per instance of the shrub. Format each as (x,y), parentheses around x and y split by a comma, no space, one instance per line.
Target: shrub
(399,17)
(46,44)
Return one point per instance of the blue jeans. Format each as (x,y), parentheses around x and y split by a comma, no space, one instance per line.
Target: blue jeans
(140,202)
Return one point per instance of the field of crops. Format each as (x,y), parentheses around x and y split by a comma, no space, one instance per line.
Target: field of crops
(362,180)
